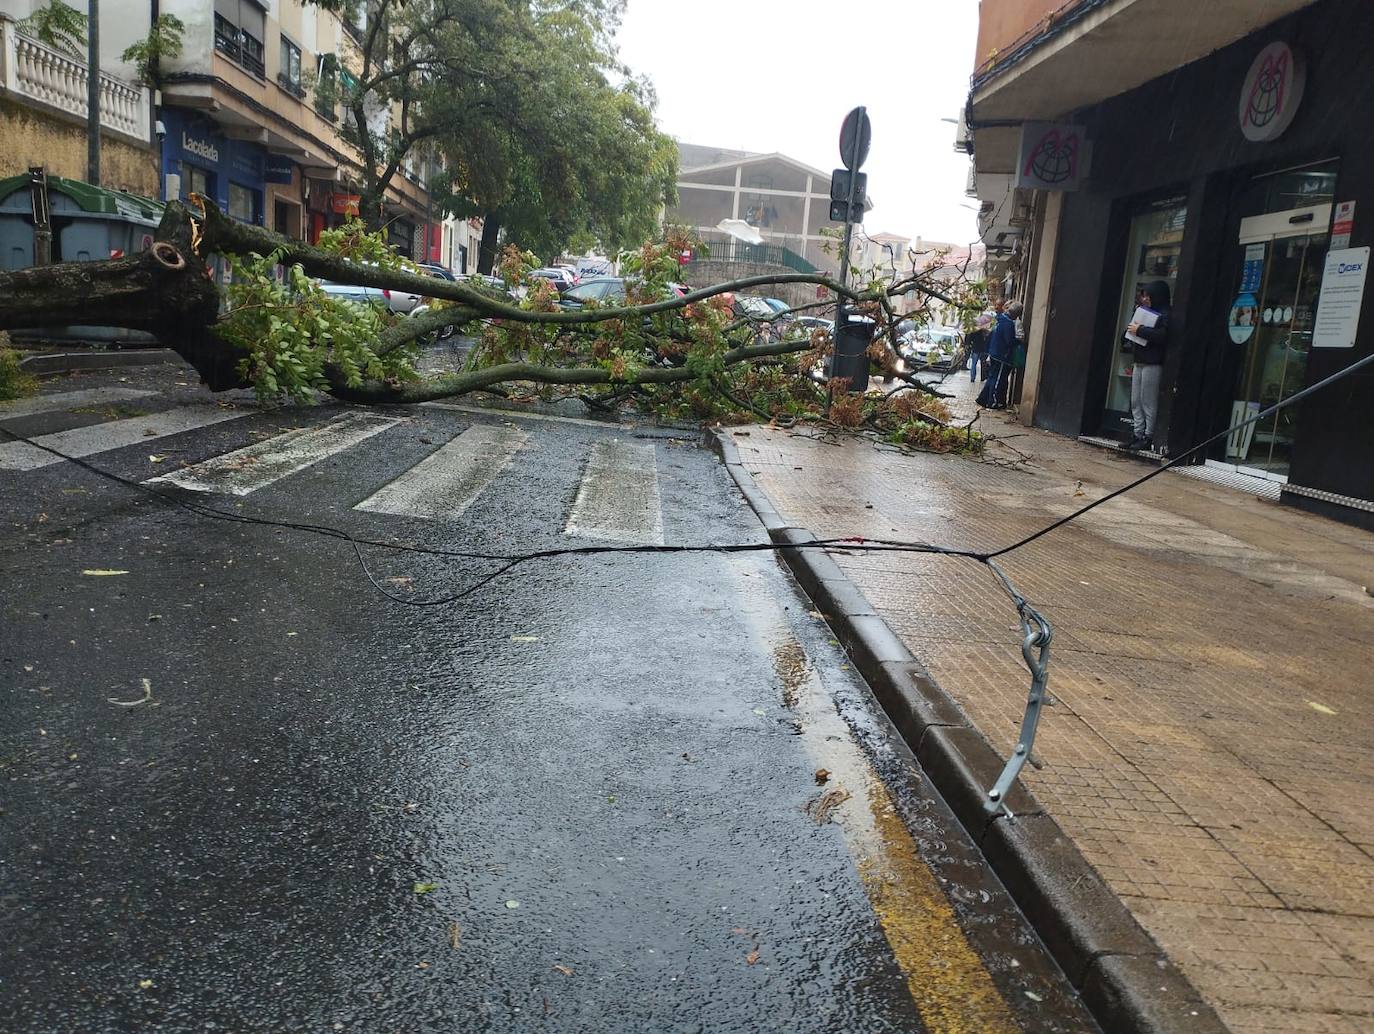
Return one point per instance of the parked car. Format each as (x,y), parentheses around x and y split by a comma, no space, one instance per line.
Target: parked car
(484,281)
(932,347)
(759,309)
(401,302)
(561,277)
(604,290)
(434,269)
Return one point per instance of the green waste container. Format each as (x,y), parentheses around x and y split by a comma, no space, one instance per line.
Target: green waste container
(88,223)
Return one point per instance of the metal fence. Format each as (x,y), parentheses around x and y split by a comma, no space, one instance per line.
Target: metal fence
(740,252)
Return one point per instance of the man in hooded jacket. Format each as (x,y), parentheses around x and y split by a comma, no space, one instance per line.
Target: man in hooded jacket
(1001,345)
(1148,366)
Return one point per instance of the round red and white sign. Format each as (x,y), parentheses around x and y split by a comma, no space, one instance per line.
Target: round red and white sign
(1272,92)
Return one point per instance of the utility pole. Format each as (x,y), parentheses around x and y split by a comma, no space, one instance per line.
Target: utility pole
(93,93)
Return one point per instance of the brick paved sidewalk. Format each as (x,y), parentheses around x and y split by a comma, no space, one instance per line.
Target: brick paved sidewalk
(1209,750)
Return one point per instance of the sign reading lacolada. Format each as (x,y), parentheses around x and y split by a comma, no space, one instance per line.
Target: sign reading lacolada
(200,148)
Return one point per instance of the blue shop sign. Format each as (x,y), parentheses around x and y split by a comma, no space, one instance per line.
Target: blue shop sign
(246,163)
(194,139)
(280,168)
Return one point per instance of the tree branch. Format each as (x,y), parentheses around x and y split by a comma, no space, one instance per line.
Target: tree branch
(478,380)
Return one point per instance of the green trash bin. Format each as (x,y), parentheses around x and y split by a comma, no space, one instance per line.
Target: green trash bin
(88,223)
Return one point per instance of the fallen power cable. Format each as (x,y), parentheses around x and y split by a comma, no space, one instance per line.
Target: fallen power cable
(1036,630)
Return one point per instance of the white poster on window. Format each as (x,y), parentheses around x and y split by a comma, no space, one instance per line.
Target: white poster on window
(1338,306)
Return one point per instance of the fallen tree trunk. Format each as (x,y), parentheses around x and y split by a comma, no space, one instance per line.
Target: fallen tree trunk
(170,292)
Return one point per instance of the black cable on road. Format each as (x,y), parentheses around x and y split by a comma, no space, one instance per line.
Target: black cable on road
(509,561)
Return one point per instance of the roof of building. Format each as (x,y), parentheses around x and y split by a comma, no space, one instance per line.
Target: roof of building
(725,159)
(699,156)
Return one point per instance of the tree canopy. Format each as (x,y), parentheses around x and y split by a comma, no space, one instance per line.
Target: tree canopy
(540,130)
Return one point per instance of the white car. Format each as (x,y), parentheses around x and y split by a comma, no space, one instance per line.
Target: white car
(931,346)
(401,302)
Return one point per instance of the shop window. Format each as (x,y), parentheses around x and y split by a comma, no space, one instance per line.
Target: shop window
(243,203)
(195,180)
(289,75)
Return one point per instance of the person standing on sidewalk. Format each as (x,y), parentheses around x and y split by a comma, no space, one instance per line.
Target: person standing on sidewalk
(1000,348)
(1148,366)
(977,343)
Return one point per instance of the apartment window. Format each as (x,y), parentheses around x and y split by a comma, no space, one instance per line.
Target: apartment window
(239,27)
(289,76)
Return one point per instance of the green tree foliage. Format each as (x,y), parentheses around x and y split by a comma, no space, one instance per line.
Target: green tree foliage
(14,382)
(293,334)
(541,131)
(163,41)
(59,26)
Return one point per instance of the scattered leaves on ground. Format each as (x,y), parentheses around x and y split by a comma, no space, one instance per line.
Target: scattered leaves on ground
(752,957)
(565,970)
(823,807)
(425,888)
(455,935)
(822,776)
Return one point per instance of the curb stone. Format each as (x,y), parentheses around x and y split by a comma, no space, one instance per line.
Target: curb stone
(53,363)
(1128,984)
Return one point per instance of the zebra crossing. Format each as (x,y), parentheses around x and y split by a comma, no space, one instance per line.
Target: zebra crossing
(88,441)
(617,497)
(256,466)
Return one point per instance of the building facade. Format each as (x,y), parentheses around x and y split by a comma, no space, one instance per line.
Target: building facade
(1226,158)
(43,104)
(237,117)
(787,201)
(244,125)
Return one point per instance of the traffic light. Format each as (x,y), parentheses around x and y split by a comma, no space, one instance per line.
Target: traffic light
(840,183)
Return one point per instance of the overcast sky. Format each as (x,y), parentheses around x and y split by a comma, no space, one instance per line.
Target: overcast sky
(779,75)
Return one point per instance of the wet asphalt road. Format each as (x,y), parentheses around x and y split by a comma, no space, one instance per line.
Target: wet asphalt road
(583,799)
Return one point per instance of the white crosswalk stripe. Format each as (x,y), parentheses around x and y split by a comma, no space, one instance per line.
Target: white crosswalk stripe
(113,434)
(69,400)
(446,482)
(618,498)
(256,466)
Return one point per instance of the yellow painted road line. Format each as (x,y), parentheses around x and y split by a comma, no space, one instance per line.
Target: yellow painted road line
(948,982)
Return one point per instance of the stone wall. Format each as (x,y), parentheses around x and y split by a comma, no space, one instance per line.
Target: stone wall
(705,274)
(32,138)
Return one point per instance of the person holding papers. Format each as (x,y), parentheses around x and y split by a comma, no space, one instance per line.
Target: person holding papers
(1149,332)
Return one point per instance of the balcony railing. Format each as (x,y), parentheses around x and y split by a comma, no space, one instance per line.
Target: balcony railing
(33,72)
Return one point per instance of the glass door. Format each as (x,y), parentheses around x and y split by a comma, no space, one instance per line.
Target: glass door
(1279,339)
(1155,245)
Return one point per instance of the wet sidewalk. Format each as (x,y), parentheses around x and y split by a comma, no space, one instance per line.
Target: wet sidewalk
(1208,750)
